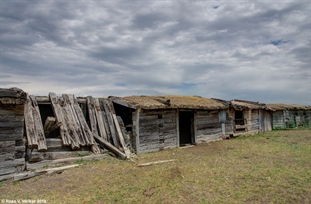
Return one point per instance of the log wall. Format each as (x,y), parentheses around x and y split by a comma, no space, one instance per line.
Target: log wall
(12,141)
(157,130)
(208,126)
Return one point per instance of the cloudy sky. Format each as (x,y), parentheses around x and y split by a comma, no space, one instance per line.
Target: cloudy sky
(256,51)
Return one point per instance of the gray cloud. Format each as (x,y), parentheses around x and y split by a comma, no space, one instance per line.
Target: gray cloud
(248,50)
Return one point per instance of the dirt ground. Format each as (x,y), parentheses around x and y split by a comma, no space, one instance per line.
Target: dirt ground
(274,167)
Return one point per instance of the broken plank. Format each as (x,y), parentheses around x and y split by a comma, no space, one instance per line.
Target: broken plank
(38,127)
(92,116)
(50,171)
(110,147)
(69,100)
(111,123)
(31,133)
(60,118)
(99,117)
(156,162)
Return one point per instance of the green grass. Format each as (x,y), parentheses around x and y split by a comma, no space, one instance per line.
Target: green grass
(274,167)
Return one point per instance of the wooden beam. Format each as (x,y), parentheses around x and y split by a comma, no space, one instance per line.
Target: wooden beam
(156,162)
(110,147)
(137,131)
(111,124)
(100,120)
(31,133)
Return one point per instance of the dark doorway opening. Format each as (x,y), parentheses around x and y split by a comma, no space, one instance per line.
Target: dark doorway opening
(239,121)
(45,111)
(186,128)
(126,114)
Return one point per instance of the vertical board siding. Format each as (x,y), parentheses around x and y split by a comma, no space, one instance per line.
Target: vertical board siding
(278,120)
(157,133)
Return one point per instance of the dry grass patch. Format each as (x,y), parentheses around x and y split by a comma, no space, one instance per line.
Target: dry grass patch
(273,167)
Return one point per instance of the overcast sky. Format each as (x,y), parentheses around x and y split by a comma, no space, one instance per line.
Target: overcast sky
(256,51)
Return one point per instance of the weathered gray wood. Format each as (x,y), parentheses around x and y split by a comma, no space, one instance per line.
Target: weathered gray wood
(92,116)
(71,124)
(66,131)
(12,163)
(69,100)
(87,133)
(4,144)
(63,161)
(88,137)
(137,132)
(111,123)
(156,162)
(31,132)
(110,147)
(48,124)
(7,156)
(124,132)
(49,171)
(119,132)
(38,125)
(100,121)
(6,177)
(60,118)
(6,170)
(105,120)
(55,130)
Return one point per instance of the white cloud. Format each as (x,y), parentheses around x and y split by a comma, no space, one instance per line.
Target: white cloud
(248,50)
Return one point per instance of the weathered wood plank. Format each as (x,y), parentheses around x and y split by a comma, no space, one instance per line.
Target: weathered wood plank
(105,120)
(100,120)
(38,125)
(12,163)
(156,162)
(31,132)
(48,124)
(69,100)
(88,137)
(6,170)
(60,118)
(92,116)
(110,147)
(23,176)
(7,156)
(71,125)
(119,132)
(111,124)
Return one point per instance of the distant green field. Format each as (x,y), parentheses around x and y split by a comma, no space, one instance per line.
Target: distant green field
(274,167)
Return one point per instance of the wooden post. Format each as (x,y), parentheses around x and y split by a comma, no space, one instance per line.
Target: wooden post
(137,131)
(110,147)
(177,127)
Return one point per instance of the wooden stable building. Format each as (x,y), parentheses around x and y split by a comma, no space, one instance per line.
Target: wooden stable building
(35,130)
(246,118)
(289,115)
(160,122)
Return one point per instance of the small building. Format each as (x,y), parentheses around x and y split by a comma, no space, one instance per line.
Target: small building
(159,122)
(246,118)
(289,115)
